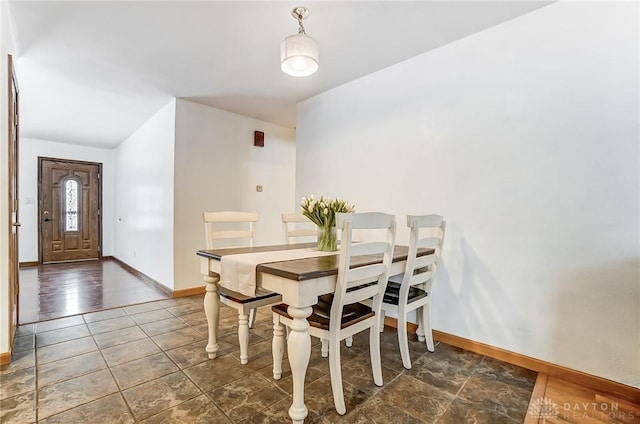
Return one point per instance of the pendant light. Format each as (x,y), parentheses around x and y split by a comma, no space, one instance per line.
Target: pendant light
(299,52)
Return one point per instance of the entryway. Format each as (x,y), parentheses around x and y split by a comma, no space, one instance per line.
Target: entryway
(71,276)
(61,290)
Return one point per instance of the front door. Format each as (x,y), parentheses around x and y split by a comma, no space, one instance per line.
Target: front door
(14,223)
(69,208)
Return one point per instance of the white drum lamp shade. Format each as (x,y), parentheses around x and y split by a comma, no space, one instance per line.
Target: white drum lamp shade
(299,55)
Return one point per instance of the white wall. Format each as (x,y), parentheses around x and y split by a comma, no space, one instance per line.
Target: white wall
(144,197)
(525,137)
(218,168)
(30,150)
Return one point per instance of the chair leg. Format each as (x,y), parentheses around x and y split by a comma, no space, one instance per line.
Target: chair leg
(252,317)
(374,353)
(277,347)
(324,350)
(381,320)
(403,341)
(336,375)
(349,341)
(426,318)
(243,337)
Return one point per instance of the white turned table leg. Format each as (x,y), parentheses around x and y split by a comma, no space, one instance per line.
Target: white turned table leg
(299,350)
(243,337)
(420,329)
(212,311)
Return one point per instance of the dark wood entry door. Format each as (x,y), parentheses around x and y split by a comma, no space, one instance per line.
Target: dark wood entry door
(69,207)
(14,223)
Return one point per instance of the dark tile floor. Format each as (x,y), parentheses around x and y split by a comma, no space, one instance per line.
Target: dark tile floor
(146,363)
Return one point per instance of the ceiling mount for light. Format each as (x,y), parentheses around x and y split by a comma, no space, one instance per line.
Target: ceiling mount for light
(299,52)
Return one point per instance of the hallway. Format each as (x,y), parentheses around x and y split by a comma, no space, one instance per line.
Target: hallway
(61,290)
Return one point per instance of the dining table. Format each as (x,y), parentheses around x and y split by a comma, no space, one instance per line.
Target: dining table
(300,282)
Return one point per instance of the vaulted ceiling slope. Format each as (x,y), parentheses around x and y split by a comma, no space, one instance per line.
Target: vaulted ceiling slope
(92,72)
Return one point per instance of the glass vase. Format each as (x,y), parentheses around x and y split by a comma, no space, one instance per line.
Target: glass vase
(327,239)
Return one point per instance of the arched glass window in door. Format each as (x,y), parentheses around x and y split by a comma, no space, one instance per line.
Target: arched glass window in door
(71,205)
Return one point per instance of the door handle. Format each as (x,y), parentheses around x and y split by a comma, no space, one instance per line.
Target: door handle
(47,220)
(16,224)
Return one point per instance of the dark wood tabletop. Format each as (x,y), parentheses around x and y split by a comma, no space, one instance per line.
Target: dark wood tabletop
(219,253)
(322,266)
(307,268)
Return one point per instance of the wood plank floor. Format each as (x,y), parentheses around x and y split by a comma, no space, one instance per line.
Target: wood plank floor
(560,402)
(60,290)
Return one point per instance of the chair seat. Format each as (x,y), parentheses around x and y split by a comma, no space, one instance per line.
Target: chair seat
(352,314)
(392,294)
(242,299)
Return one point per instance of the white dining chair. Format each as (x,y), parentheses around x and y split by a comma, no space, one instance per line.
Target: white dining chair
(236,229)
(298,228)
(411,290)
(340,315)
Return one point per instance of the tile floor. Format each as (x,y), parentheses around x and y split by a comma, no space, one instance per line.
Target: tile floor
(146,363)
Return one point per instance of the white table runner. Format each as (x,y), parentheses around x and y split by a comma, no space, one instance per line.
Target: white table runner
(238,272)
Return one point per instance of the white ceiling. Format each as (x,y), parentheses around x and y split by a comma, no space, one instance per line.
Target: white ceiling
(92,72)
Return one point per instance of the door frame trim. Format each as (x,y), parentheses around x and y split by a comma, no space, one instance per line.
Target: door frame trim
(13,124)
(100,214)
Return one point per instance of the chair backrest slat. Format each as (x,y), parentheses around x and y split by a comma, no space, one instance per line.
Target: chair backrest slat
(426,260)
(429,242)
(365,293)
(372,248)
(424,221)
(216,227)
(301,232)
(364,274)
(420,278)
(297,226)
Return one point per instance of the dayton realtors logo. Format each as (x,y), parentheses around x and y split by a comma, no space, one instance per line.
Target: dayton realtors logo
(546,409)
